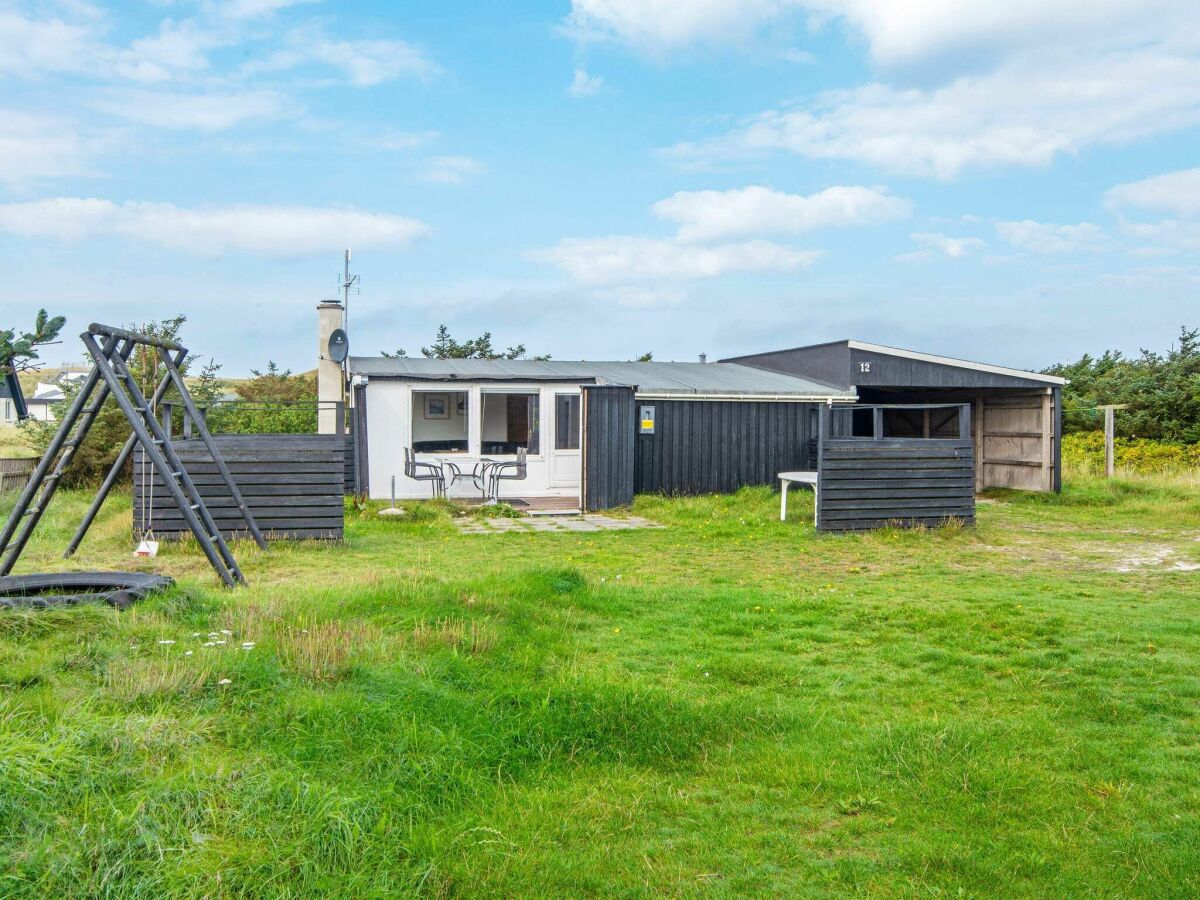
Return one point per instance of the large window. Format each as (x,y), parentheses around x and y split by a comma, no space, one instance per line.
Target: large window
(566,421)
(511,420)
(439,421)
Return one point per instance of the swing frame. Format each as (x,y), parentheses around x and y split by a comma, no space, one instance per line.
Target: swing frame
(110,349)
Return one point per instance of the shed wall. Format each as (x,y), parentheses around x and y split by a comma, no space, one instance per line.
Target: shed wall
(703,447)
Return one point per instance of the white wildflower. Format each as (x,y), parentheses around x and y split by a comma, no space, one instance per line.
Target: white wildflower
(166,643)
(225,681)
(226,631)
(188,653)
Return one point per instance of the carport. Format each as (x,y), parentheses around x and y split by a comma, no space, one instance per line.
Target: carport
(1016,415)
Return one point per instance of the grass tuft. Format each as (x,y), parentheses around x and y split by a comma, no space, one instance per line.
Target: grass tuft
(471,637)
(324,651)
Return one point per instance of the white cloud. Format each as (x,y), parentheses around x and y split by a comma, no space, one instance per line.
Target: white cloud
(1177,193)
(36,148)
(177,46)
(1046,237)
(709,215)
(626,258)
(260,230)
(895,33)
(364,63)
(198,112)
(585,85)
(657,25)
(1165,237)
(249,9)
(936,245)
(1024,113)
(640,297)
(919,30)
(450,169)
(28,45)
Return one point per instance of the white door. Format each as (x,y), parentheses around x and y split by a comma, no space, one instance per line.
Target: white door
(565,456)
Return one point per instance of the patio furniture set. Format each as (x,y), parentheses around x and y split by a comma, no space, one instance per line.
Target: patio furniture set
(486,474)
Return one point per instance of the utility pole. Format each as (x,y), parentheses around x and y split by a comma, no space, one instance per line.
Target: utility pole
(348,281)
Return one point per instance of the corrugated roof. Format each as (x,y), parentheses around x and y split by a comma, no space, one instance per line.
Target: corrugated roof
(648,377)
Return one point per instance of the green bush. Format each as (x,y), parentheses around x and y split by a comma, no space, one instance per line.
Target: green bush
(1083,453)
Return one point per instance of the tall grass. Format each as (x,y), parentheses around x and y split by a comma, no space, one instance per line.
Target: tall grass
(727,706)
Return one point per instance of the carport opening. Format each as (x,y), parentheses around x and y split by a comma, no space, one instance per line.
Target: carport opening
(933,423)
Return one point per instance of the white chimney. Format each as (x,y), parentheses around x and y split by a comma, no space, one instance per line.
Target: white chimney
(330,386)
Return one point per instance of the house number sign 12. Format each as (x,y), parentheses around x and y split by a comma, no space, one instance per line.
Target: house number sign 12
(864,367)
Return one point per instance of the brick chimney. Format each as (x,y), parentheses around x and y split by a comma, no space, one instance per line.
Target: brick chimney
(330,385)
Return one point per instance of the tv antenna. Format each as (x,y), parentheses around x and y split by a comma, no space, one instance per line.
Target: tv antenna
(348,283)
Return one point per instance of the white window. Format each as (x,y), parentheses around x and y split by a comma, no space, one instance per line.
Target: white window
(511,420)
(439,421)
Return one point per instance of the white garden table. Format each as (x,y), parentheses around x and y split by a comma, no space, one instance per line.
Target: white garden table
(786,480)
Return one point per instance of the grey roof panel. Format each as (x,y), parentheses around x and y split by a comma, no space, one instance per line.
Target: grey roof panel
(648,377)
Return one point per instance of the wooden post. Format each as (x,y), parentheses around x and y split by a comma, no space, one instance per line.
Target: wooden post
(979,457)
(1047,441)
(1109,436)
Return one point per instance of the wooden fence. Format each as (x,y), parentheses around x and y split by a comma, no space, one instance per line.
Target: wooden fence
(14,473)
(293,483)
(873,480)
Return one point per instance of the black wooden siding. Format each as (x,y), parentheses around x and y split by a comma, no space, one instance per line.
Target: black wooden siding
(357,481)
(609,424)
(293,483)
(873,482)
(704,447)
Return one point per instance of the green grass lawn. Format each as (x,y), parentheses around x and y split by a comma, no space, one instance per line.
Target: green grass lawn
(726,706)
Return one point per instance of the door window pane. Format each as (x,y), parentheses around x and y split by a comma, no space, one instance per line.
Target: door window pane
(566,421)
(510,421)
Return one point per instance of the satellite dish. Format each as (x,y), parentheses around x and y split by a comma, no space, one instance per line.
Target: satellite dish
(339,346)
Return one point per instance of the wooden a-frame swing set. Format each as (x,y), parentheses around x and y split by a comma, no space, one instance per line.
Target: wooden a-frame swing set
(110,349)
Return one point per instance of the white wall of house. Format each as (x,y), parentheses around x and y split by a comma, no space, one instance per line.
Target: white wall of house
(42,412)
(391,406)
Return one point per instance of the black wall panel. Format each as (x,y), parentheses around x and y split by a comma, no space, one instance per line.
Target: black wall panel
(704,447)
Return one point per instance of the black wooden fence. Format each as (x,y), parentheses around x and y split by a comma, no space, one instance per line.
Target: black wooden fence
(293,483)
(608,434)
(869,478)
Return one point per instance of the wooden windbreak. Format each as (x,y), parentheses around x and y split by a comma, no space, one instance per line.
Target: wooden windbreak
(1015,435)
(869,479)
(608,422)
(293,483)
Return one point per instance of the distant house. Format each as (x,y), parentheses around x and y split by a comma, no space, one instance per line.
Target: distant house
(10,400)
(45,398)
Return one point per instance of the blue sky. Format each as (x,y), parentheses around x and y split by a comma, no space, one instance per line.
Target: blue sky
(598,178)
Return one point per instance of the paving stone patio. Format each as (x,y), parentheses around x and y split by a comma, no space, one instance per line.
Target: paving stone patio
(553,524)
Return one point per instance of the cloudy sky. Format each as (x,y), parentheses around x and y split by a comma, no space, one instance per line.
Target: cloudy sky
(597,178)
